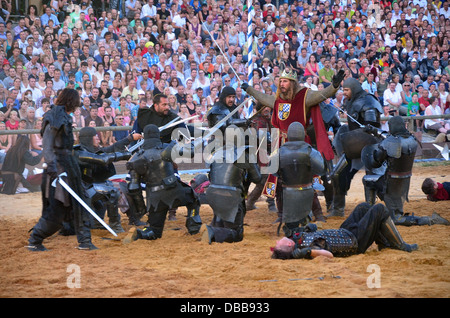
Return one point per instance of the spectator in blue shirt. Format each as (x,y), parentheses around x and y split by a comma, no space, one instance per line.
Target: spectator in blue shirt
(81,72)
(48,15)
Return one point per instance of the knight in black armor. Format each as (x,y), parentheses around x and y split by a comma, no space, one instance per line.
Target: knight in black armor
(365,225)
(159,114)
(222,108)
(298,163)
(57,204)
(230,166)
(392,161)
(97,166)
(362,109)
(153,165)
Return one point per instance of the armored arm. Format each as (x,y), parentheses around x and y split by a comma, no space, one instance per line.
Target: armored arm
(120,145)
(375,131)
(315,97)
(254,173)
(134,167)
(48,148)
(102,158)
(317,163)
(263,99)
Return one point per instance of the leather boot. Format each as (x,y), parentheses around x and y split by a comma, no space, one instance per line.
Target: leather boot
(193,221)
(41,231)
(133,219)
(392,235)
(114,219)
(435,218)
(137,209)
(146,234)
(271,205)
(172,215)
(338,207)
(317,210)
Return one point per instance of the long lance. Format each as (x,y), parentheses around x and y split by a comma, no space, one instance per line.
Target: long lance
(81,201)
(170,124)
(231,66)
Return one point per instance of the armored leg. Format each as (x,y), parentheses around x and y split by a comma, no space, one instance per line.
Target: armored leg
(193,220)
(410,220)
(41,231)
(338,207)
(370,195)
(83,229)
(390,232)
(317,209)
(172,214)
(271,205)
(222,231)
(255,194)
(137,208)
(114,218)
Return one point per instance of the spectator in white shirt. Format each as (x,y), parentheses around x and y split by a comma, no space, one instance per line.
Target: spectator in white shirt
(393,98)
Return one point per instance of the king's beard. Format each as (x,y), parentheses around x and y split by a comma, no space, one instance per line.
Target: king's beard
(290,93)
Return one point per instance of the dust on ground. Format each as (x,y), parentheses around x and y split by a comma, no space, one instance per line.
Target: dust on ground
(180,265)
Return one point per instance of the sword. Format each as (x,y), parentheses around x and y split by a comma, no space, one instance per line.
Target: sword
(344,112)
(84,204)
(220,122)
(168,125)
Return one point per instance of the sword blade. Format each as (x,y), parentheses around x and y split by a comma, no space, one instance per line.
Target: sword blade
(84,204)
(217,126)
(172,123)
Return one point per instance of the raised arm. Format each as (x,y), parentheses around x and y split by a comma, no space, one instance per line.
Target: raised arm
(315,97)
(263,99)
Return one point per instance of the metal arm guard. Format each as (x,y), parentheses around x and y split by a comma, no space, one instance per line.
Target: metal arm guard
(99,159)
(134,185)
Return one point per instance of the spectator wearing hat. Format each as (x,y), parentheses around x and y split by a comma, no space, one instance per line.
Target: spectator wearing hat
(413,68)
(397,67)
(266,67)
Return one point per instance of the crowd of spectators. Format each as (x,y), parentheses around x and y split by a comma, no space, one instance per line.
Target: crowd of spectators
(119,54)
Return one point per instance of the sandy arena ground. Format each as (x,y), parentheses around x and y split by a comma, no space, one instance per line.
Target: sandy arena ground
(181,266)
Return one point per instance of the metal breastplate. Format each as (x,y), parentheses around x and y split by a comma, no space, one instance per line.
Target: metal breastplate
(226,174)
(157,170)
(340,242)
(295,163)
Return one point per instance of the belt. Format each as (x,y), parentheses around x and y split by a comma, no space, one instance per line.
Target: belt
(156,188)
(225,187)
(299,186)
(399,174)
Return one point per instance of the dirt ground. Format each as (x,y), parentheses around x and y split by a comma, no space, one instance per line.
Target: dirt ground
(182,266)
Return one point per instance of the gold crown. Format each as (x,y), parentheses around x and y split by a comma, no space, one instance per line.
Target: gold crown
(289,74)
